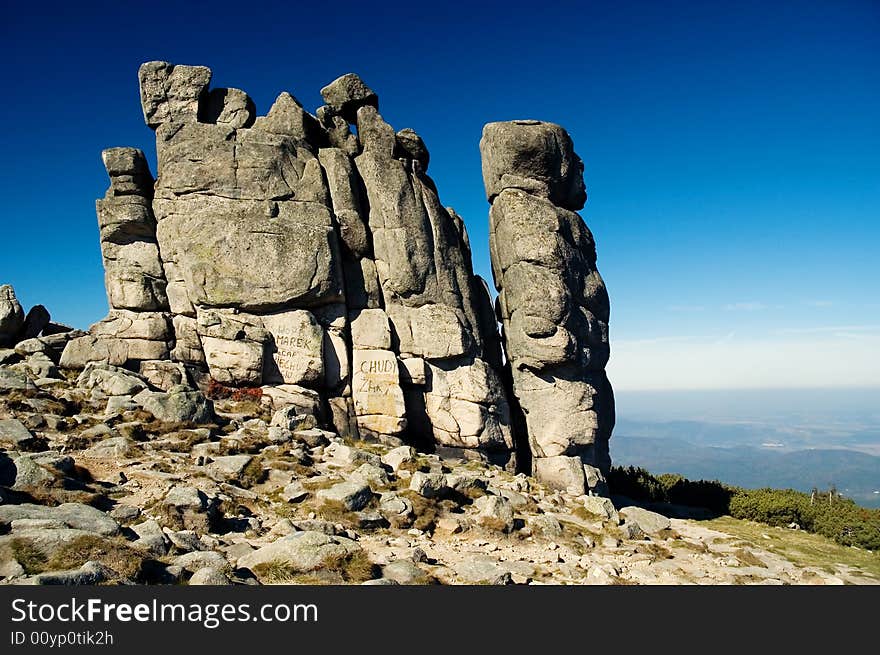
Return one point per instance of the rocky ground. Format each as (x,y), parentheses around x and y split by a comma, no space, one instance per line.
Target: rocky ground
(104,479)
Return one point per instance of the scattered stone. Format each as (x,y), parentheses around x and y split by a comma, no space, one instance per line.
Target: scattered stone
(405,571)
(151,538)
(372,475)
(545,524)
(110,380)
(353,494)
(184,540)
(600,506)
(209,576)
(312,437)
(294,492)
(179,404)
(112,448)
(30,476)
(199,559)
(190,509)
(481,569)
(339,454)
(14,433)
(429,485)
(649,522)
(125,513)
(292,418)
(397,457)
(495,512)
(451,524)
(229,467)
(11,380)
(301,551)
(632,530)
(73,515)
(90,573)
(395,507)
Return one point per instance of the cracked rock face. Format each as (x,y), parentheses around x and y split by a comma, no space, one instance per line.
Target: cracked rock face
(552,301)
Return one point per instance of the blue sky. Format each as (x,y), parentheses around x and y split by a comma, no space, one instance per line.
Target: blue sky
(730,149)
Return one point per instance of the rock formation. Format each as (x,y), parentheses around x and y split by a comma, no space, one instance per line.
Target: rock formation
(31,343)
(285,250)
(552,301)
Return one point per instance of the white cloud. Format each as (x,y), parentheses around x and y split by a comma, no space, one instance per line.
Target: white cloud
(819,303)
(744,307)
(730,363)
(685,308)
(829,329)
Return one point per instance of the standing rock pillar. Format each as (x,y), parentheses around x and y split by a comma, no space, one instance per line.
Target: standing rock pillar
(552,301)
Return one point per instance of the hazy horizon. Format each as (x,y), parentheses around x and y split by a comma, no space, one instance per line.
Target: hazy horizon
(797,438)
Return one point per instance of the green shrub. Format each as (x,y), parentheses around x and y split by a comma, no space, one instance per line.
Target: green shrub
(636,483)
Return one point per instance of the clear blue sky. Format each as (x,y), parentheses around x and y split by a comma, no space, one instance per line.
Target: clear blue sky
(731,151)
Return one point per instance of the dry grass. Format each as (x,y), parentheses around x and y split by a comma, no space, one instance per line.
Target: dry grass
(748,558)
(494,524)
(320,482)
(654,550)
(336,569)
(690,545)
(185,441)
(31,558)
(427,511)
(248,407)
(253,474)
(583,513)
(124,560)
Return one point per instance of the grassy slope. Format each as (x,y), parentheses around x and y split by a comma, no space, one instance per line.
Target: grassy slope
(802,548)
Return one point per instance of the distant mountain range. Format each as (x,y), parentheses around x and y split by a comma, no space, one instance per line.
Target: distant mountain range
(686,447)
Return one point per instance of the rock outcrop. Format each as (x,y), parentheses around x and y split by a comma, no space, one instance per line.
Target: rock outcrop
(30,343)
(552,301)
(286,250)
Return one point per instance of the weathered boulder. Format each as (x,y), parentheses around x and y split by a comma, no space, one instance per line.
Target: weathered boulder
(353,494)
(552,301)
(348,93)
(179,404)
(301,551)
(209,575)
(13,433)
(429,485)
(110,380)
(73,515)
(14,380)
(535,156)
(123,337)
(11,316)
(189,508)
(90,573)
(231,107)
(648,521)
(495,513)
(133,271)
(35,322)
(172,93)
